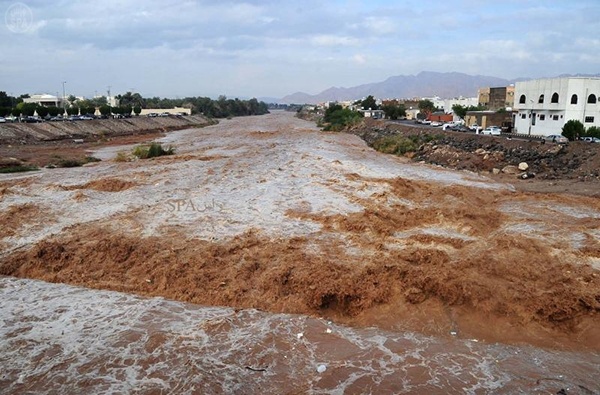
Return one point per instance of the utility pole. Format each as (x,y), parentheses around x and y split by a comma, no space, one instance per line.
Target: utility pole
(64,97)
(108,95)
(530,117)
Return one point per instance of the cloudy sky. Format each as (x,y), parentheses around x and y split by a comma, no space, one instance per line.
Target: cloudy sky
(177,48)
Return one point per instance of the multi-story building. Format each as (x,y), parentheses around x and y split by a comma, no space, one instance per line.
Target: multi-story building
(544,106)
(495,99)
(45,100)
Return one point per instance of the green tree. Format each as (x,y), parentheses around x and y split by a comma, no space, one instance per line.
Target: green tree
(5,100)
(99,101)
(41,111)
(137,110)
(573,129)
(73,110)
(369,103)
(105,109)
(426,106)
(337,117)
(460,111)
(394,111)
(54,111)
(593,131)
(28,109)
(126,109)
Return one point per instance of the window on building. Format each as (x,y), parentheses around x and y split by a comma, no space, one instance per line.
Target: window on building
(589,119)
(554,98)
(542,117)
(592,99)
(523,116)
(522,99)
(555,117)
(574,99)
(541,99)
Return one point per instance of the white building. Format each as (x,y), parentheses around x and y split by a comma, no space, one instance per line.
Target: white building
(45,100)
(544,106)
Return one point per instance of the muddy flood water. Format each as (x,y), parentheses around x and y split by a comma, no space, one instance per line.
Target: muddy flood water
(269,257)
(59,339)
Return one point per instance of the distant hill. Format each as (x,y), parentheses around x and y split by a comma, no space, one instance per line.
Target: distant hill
(426,83)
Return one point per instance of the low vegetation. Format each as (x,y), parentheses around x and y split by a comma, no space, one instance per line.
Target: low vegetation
(336,118)
(18,169)
(152,151)
(400,145)
(72,162)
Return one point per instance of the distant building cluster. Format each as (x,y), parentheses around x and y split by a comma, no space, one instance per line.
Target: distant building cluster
(537,107)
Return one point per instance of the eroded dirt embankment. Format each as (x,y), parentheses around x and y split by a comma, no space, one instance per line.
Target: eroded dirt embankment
(35,133)
(576,165)
(307,222)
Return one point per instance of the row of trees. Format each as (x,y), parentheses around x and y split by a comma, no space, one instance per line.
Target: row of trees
(574,129)
(220,108)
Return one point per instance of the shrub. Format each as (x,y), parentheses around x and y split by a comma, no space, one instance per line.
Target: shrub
(18,169)
(573,129)
(122,156)
(397,145)
(593,131)
(152,151)
(337,117)
(72,162)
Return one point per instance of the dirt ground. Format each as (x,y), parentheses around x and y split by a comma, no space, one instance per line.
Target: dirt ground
(269,213)
(572,168)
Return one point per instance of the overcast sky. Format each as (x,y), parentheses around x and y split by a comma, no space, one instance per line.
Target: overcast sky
(271,48)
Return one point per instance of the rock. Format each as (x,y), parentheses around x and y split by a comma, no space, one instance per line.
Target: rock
(321,368)
(495,171)
(480,151)
(526,176)
(510,169)
(523,166)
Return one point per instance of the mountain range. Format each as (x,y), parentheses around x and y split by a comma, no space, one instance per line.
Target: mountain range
(424,84)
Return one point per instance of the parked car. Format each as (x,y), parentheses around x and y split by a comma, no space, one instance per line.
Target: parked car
(153,115)
(475,127)
(460,128)
(435,124)
(11,118)
(31,119)
(2,120)
(492,130)
(556,138)
(591,139)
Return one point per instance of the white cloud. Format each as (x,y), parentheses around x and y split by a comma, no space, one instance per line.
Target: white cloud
(359,59)
(331,40)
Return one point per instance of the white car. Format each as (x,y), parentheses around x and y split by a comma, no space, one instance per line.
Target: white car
(492,130)
(586,139)
(2,120)
(435,123)
(556,138)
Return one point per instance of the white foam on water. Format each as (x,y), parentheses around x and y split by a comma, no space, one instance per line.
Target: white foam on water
(63,339)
